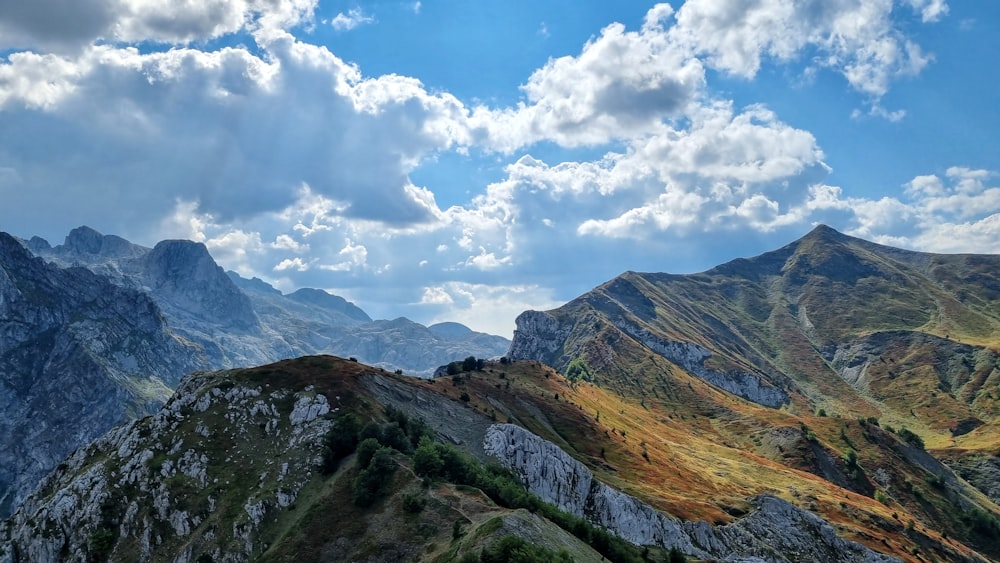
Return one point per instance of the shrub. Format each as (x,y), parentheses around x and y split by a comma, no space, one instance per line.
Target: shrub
(371,481)
(911,438)
(101,543)
(676,556)
(515,549)
(339,442)
(366,450)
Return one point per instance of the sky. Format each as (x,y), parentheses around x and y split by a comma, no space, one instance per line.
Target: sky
(469,160)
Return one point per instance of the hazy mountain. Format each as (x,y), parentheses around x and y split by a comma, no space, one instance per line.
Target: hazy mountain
(103,329)
(78,355)
(241,322)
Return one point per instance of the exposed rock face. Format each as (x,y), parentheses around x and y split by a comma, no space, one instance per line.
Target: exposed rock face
(182,274)
(982,471)
(691,357)
(188,490)
(538,336)
(78,355)
(775,531)
(541,336)
(452,422)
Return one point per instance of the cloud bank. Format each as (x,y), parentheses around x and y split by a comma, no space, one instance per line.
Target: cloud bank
(223,122)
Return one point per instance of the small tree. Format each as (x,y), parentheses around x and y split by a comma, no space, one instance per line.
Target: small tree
(469,364)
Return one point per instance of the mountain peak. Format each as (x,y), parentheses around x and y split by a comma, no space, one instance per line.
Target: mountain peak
(84,240)
(85,243)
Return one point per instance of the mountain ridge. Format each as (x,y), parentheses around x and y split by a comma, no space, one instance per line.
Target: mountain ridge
(164,311)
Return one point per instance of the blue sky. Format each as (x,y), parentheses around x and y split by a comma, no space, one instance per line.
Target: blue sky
(448,160)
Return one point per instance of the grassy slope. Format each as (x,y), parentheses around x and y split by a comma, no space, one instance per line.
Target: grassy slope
(932,324)
(704,463)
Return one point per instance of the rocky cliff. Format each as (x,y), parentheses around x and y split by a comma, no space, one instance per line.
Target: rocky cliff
(78,355)
(774,531)
(203,475)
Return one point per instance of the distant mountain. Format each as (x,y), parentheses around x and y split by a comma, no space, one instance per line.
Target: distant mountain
(241,322)
(103,329)
(78,354)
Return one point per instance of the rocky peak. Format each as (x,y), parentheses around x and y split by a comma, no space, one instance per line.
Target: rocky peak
(538,336)
(181,273)
(84,240)
(252,284)
(38,244)
(450,330)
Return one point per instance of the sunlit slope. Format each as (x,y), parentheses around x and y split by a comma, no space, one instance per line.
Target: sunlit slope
(834,322)
(698,453)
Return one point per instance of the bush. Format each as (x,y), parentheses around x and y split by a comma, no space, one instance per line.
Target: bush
(676,556)
(426,460)
(101,543)
(366,450)
(911,438)
(513,549)
(577,370)
(339,442)
(371,481)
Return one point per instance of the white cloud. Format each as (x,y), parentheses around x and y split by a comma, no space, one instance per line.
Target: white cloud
(621,84)
(296,264)
(286,242)
(210,127)
(930,10)
(857,38)
(436,296)
(352,19)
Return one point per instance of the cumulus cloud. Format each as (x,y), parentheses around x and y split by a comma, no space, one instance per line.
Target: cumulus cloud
(622,83)
(485,307)
(67,25)
(857,38)
(212,127)
(291,165)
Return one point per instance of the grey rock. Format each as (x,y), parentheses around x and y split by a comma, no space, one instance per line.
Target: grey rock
(775,531)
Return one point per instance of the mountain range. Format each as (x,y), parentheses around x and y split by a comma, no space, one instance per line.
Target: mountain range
(834,399)
(98,330)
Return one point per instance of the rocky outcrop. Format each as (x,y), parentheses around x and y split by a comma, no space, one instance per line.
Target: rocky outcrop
(537,336)
(202,476)
(774,531)
(187,281)
(981,471)
(691,357)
